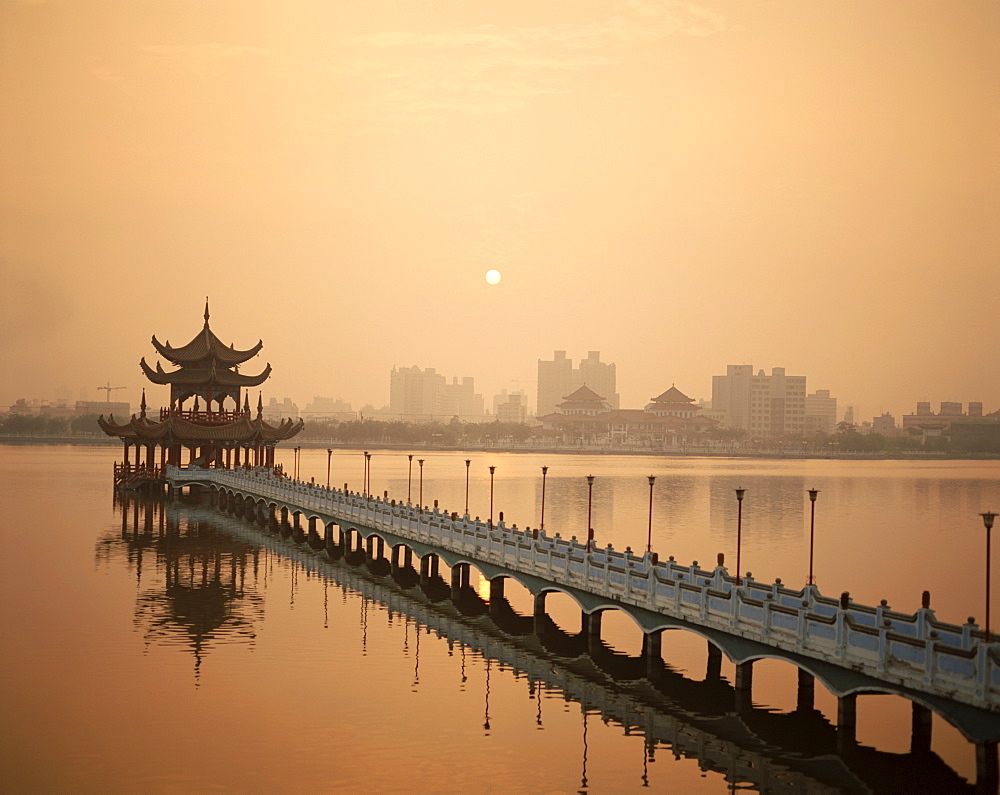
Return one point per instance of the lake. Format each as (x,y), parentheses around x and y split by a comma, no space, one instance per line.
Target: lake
(168,647)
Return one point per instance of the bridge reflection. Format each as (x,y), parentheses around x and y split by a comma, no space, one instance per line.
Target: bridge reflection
(208,589)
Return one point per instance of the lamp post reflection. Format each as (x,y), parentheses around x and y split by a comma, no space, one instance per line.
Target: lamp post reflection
(739,533)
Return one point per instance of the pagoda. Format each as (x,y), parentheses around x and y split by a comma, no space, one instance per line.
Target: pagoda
(213,435)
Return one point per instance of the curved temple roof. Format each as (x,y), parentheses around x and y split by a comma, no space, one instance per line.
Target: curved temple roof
(197,377)
(203,346)
(177,429)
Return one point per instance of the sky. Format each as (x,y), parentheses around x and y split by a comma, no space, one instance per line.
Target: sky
(679,185)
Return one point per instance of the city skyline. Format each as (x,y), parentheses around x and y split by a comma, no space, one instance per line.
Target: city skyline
(384,409)
(681,186)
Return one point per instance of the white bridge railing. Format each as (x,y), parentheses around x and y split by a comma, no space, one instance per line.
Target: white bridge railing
(909,650)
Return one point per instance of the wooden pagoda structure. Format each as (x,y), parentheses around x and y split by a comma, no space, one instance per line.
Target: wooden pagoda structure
(198,429)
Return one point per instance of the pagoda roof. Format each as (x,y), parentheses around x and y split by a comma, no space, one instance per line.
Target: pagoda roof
(672,395)
(178,429)
(205,345)
(196,376)
(584,394)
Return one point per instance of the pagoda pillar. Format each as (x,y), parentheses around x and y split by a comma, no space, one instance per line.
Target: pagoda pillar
(125,442)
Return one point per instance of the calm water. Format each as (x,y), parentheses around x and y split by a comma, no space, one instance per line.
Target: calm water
(166,649)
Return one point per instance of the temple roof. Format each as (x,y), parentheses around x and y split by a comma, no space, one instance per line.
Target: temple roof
(205,345)
(673,395)
(584,393)
(177,429)
(189,376)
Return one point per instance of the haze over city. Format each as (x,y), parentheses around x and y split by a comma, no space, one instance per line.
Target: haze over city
(682,186)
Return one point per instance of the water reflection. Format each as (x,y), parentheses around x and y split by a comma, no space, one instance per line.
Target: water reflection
(201,583)
(191,578)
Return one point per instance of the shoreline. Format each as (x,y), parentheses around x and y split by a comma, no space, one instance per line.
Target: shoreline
(96,441)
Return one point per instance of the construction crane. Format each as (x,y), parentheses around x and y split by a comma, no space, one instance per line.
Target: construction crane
(109,389)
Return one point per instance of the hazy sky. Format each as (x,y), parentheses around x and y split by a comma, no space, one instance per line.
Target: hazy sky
(680,185)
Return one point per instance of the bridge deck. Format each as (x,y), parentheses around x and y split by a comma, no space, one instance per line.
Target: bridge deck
(854,648)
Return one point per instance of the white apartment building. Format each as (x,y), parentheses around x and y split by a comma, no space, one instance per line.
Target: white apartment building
(425,395)
(510,407)
(763,405)
(821,412)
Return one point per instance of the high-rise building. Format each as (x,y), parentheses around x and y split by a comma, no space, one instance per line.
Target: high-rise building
(886,424)
(511,407)
(558,378)
(763,405)
(821,412)
(425,395)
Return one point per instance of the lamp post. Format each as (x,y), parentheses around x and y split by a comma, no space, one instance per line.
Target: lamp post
(812,532)
(409,476)
(649,532)
(590,503)
(988,518)
(421,462)
(368,469)
(329,453)
(298,459)
(492,470)
(739,532)
(545,471)
(468,462)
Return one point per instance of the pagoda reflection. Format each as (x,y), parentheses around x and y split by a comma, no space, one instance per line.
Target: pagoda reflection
(191,577)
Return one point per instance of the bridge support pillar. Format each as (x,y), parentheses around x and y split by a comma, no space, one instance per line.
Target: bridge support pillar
(428,568)
(920,734)
(987,769)
(847,723)
(805,696)
(496,594)
(591,628)
(651,646)
(459,579)
(408,558)
(744,685)
(538,613)
(714,668)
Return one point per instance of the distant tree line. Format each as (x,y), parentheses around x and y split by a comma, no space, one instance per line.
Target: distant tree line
(25,425)
(963,438)
(431,433)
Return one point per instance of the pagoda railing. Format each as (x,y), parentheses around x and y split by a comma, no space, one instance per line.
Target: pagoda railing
(130,474)
(203,417)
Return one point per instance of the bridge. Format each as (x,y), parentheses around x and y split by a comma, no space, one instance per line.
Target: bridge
(950,669)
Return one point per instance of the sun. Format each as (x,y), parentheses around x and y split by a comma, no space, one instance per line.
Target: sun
(493,277)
